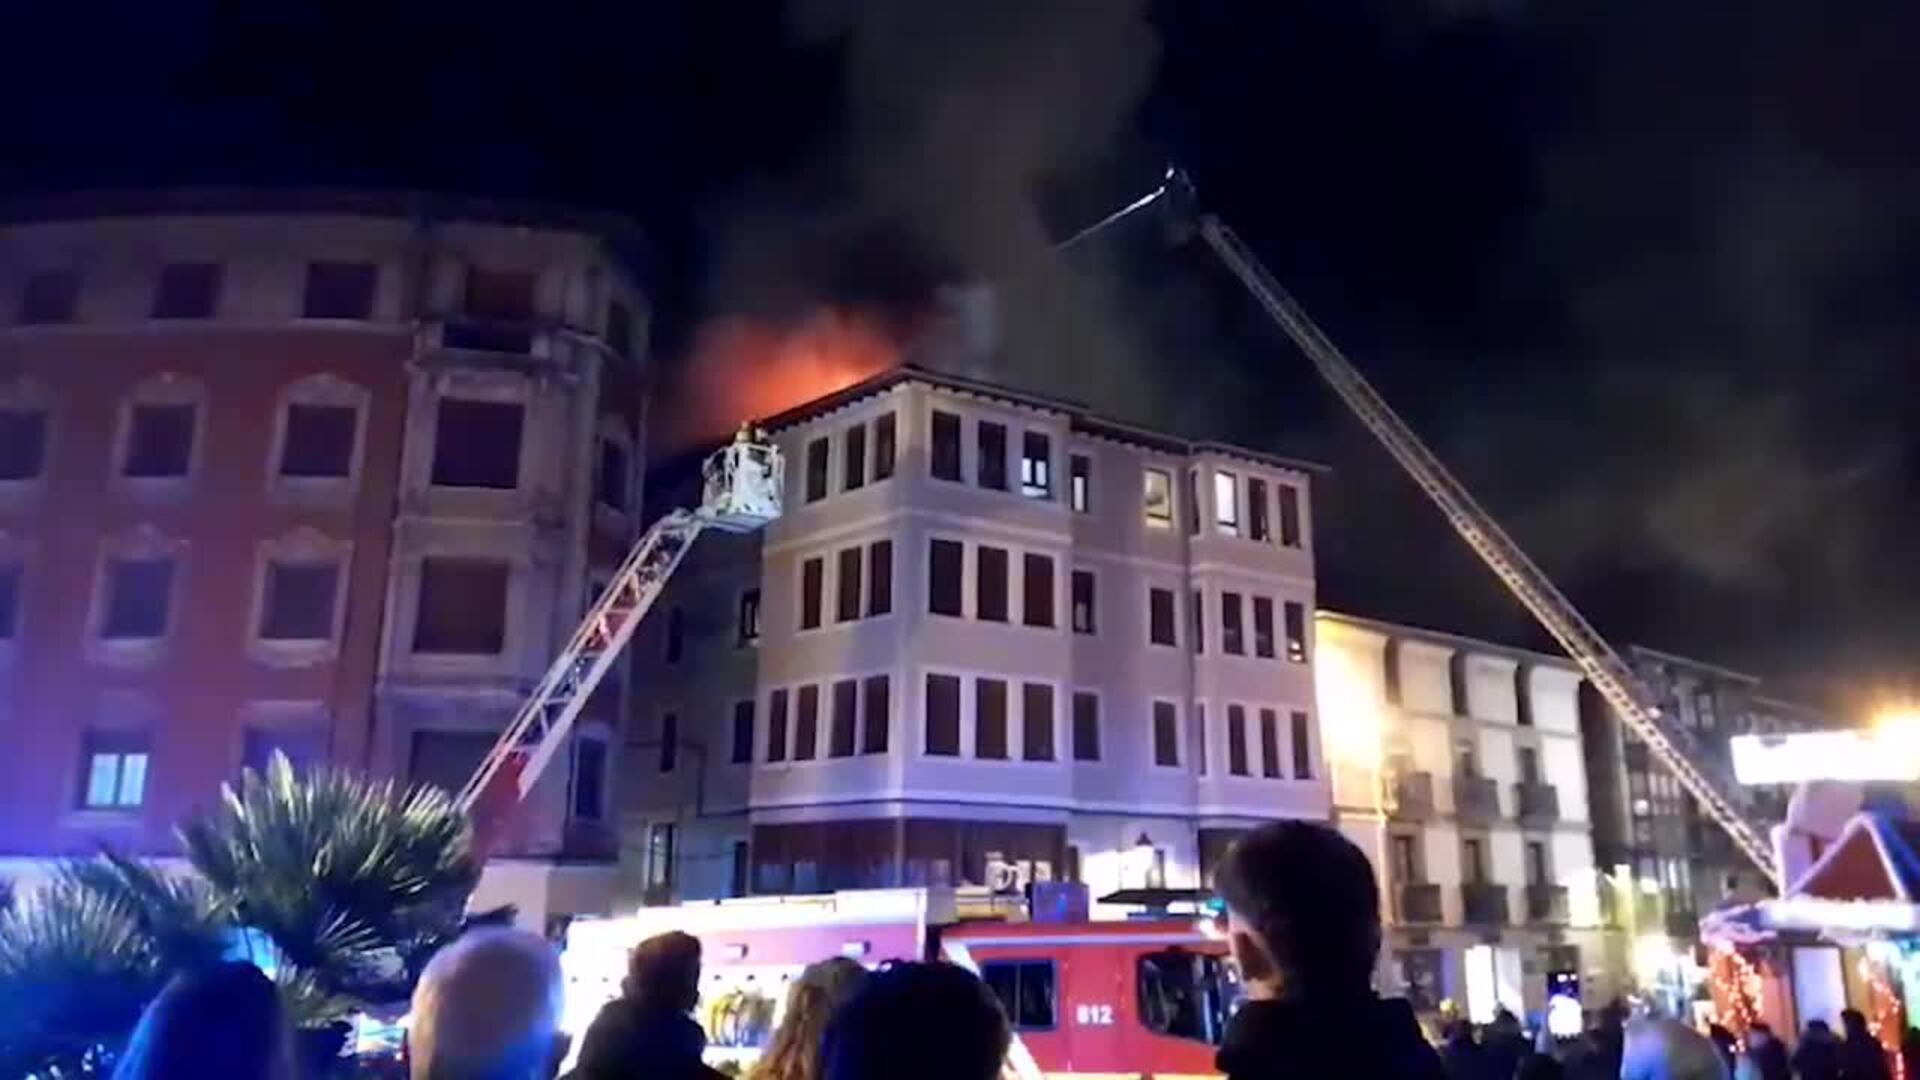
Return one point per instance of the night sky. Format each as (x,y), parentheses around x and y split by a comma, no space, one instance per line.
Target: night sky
(1644,273)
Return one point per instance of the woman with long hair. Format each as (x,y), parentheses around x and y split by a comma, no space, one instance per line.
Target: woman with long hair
(794,1051)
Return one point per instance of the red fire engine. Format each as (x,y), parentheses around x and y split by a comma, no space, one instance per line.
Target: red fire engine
(1146,996)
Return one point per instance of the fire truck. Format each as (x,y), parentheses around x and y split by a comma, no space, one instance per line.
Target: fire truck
(1143,996)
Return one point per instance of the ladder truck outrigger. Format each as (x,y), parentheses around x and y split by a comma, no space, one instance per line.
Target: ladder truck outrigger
(1616,681)
(740,491)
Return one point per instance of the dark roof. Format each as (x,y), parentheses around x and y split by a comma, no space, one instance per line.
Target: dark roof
(618,229)
(1081,418)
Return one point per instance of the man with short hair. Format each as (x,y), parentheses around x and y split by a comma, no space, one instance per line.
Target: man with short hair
(1303,920)
(488,1008)
(917,1022)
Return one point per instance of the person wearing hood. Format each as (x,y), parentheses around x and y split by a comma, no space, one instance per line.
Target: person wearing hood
(1303,921)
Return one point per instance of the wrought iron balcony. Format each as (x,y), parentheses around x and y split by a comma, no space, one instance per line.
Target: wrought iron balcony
(1547,904)
(1412,796)
(1476,799)
(1417,903)
(1484,905)
(1539,803)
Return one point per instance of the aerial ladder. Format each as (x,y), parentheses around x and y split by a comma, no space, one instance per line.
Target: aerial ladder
(1622,688)
(740,491)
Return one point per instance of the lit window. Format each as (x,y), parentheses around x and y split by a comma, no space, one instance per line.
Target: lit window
(1226,502)
(116,771)
(1080,483)
(1157,496)
(1036,466)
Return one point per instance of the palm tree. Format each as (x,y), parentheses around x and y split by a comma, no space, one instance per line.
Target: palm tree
(83,955)
(355,881)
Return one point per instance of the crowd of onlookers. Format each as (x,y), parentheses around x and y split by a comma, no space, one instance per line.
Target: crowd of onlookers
(1301,914)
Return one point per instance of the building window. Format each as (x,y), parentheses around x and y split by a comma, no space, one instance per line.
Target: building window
(23,443)
(885,446)
(1529,760)
(476,444)
(1226,502)
(992,441)
(844,733)
(660,856)
(1026,992)
(880,577)
(1289,516)
(619,328)
(499,295)
(847,587)
(1406,860)
(1473,860)
(1237,740)
(1302,746)
(877,714)
(1537,873)
(1703,710)
(990,719)
(777,726)
(742,732)
(806,723)
(187,291)
(1198,617)
(943,715)
(1233,634)
(1080,483)
(1036,587)
(139,599)
(944,459)
(49,296)
(813,582)
(944,562)
(1086,727)
(589,779)
(990,584)
(1257,528)
(9,601)
(610,479)
(1263,627)
(1269,744)
(676,635)
(1157,498)
(318,441)
(1160,617)
(462,606)
(299,600)
(818,452)
(1200,739)
(304,746)
(1391,662)
(1036,465)
(116,770)
(748,623)
(160,438)
(1166,734)
(1082,585)
(1296,617)
(339,290)
(854,462)
(1036,721)
(669,742)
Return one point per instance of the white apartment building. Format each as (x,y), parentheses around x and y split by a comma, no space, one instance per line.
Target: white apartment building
(1458,766)
(994,638)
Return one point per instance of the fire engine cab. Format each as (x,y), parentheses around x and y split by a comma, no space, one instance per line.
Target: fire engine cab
(1148,996)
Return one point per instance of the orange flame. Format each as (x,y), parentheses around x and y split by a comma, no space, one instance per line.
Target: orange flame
(742,369)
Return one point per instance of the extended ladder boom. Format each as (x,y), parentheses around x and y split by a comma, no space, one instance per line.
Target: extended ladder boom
(1610,675)
(742,491)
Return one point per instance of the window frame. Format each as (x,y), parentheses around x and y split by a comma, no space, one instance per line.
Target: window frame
(161,310)
(1080,483)
(1019,966)
(122,745)
(816,470)
(1036,470)
(601,743)
(959,587)
(302,547)
(1226,511)
(990,450)
(141,545)
(1153,623)
(31,396)
(1154,716)
(372,303)
(1157,520)
(167,389)
(322,390)
(509,606)
(26,310)
(1089,626)
(941,424)
(741,752)
(478,396)
(1073,721)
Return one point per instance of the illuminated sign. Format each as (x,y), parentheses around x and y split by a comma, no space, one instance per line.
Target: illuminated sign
(1891,753)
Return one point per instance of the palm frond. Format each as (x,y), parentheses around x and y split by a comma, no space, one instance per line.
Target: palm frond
(185,923)
(342,872)
(75,970)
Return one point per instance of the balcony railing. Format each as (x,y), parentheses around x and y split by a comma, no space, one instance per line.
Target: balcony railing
(1547,904)
(1476,799)
(1539,803)
(1412,796)
(1484,905)
(1417,904)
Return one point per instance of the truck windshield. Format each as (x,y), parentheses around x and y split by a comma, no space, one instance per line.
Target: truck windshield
(1187,995)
